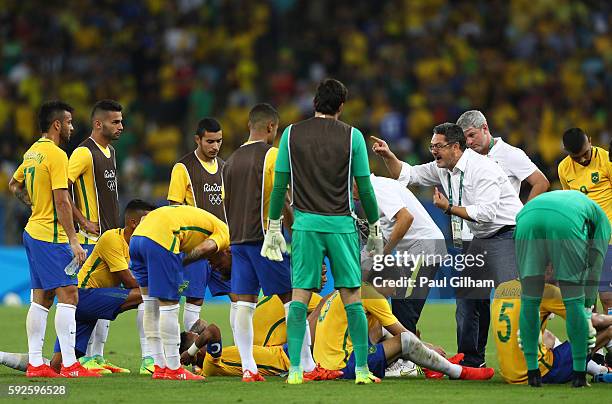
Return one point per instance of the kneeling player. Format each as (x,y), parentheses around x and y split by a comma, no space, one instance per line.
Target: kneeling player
(107,267)
(95,304)
(554,358)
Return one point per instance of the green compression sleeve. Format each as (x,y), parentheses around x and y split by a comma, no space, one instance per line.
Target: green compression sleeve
(367,197)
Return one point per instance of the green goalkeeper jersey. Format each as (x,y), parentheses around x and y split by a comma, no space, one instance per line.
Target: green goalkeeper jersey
(320,156)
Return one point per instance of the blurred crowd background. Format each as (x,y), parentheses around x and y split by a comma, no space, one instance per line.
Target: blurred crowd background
(534,67)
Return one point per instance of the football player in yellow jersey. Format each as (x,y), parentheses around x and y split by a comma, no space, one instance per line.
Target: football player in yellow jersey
(554,357)
(105,282)
(196,180)
(201,346)
(92,175)
(587,169)
(250,171)
(50,239)
(163,242)
(269,320)
(333,347)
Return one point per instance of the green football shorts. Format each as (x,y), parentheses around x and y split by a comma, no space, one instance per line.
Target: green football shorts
(550,238)
(308,248)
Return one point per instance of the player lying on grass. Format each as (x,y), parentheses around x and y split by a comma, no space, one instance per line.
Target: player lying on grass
(554,357)
(269,322)
(203,350)
(333,347)
(107,268)
(202,347)
(269,319)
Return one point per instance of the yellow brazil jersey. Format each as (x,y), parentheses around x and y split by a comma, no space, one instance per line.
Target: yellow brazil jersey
(269,325)
(81,174)
(180,228)
(110,255)
(333,345)
(180,188)
(271,361)
(505,313)
(44,169)
(593,180)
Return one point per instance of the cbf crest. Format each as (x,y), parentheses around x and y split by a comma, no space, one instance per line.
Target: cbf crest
(595,177)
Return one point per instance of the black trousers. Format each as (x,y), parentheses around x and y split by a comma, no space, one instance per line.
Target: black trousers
(408,309)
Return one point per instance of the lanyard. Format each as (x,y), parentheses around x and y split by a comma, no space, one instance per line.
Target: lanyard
(491,144)
(450,189)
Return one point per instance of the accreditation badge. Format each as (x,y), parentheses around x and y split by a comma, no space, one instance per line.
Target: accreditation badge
(456,226)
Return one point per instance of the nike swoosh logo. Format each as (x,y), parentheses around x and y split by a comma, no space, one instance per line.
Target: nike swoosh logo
(568,181)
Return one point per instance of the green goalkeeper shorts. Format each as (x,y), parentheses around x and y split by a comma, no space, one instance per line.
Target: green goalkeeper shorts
(543,238)
(308,248)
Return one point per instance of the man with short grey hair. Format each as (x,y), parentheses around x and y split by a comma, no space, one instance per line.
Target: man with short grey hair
(515,163)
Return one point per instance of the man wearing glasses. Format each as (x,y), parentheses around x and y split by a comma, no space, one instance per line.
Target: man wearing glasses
(480,197)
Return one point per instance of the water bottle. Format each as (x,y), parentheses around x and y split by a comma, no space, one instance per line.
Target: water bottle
(603,378)
(72,268)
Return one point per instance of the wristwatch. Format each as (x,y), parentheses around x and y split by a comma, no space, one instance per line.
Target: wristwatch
(448,210)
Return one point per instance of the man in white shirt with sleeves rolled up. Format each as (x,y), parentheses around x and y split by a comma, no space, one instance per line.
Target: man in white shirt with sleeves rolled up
(412,234)
(480,197)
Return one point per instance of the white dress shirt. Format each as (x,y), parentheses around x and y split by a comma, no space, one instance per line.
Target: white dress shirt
(392,197)
(513,161)
(488,197)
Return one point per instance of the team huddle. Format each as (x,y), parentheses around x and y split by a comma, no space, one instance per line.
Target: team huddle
(224,230)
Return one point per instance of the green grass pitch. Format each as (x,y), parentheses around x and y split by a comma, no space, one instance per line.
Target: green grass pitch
(437,325)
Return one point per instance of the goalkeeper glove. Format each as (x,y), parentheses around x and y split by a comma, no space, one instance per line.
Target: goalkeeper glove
(592,336)
(274,242)
(375,239)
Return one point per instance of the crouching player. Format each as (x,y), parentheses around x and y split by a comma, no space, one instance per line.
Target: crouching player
(106,289)
(571,231)
(165,240)
(554,358)
(333,347)
(105,284)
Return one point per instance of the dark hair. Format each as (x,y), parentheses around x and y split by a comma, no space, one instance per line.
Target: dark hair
(106,106)
(51,111)
(138,204)
(208,125)
(574,140)
(452,132)
(330,95)
(263,113)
